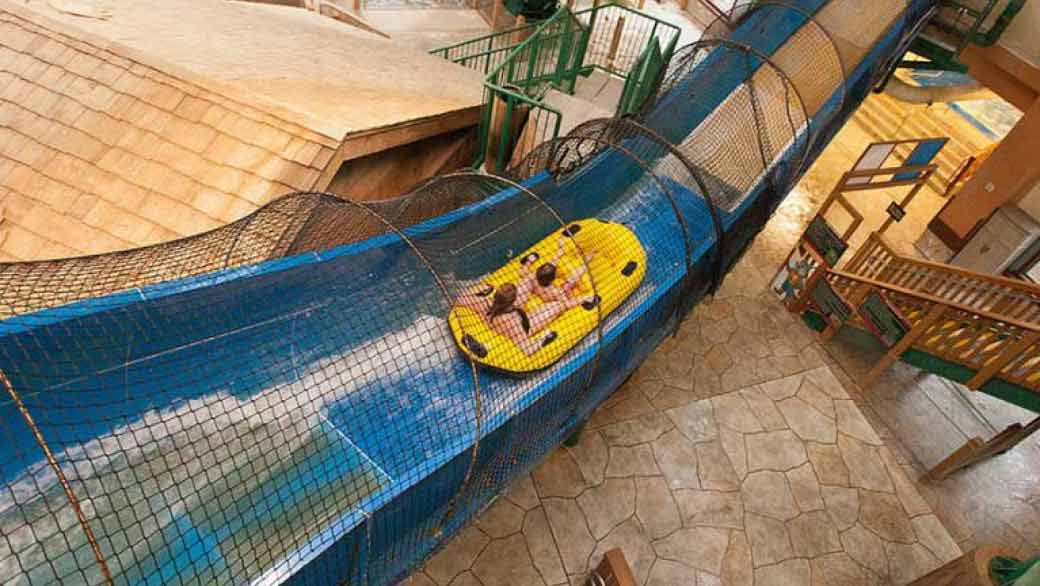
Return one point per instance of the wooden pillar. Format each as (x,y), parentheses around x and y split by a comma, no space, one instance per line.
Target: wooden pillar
(496,7)
(616,41)
(614,570)
(893,354)
(854,301)
(1009,173)
(977,450)
(905,202)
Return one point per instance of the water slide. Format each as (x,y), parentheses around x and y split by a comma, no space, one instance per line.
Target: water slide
(194,414)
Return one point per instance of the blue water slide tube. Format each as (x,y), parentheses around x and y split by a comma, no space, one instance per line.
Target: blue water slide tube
(308,420)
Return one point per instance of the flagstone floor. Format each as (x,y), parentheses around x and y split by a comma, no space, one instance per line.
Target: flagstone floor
(733,456)
(744,452)
(782,482)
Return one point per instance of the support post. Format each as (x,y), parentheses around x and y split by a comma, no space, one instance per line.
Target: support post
(854,301)
(615,41)
(925,176)
(1009,353)
(495,8)
(893,354)
(977,450)
(614,570)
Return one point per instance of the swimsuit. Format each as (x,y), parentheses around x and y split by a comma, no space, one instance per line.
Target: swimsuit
(525,322)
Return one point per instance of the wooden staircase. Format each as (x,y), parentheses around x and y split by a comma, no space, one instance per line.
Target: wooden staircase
(986,323)
(980,330)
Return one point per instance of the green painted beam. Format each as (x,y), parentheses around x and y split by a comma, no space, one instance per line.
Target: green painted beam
(996,387)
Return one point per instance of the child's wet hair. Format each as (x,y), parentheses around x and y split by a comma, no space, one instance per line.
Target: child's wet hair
(546,274)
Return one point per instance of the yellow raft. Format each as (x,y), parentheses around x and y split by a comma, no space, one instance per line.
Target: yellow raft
(617,267)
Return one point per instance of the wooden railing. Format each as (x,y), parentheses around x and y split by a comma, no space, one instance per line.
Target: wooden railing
(989,324)
(1011,299)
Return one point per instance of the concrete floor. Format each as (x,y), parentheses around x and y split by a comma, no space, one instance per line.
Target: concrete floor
(743,451)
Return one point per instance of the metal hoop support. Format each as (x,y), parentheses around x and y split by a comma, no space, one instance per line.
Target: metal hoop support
(629,123)
(450,301)
(60,474)
(468,478)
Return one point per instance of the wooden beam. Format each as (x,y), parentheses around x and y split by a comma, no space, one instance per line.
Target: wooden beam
(976,450)
(1010,352)
(854,301)
(881,184)
(615,41)
(971,569)
(495,10)
(380,139)
(1007,74)
(614,570)
(895,352)
(909,197)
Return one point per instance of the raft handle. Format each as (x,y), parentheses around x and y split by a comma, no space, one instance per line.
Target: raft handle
(474,346)
(590,305)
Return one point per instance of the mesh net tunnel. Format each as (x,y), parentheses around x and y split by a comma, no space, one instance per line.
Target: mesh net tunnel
(326,391)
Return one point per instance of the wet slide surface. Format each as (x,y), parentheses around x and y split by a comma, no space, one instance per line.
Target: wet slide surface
(237,424)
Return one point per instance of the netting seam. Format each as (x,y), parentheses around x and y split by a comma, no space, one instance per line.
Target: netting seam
(478,423)
(788,84)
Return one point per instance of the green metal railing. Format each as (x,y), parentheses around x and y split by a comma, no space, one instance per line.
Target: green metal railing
(487,52)
(957,24)
(523,64)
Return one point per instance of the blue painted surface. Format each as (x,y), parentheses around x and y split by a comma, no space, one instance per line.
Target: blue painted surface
(399,436)
(922,154)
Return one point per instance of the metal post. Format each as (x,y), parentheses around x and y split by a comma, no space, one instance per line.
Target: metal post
(494,14)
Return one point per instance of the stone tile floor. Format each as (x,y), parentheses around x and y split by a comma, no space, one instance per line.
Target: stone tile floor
(744,452)
(782,482)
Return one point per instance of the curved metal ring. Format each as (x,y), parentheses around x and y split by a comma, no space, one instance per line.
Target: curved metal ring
(468,478)
(630,123)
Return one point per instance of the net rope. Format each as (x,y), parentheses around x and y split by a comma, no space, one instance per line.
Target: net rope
(327,390)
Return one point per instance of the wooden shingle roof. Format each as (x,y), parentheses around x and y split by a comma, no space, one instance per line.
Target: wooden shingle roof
(103,147)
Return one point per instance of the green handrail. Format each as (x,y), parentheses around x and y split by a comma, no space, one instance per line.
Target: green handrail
(974,35)
(522,64)
(940,55)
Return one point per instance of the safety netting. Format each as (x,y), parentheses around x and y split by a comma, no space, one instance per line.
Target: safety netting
(327,390)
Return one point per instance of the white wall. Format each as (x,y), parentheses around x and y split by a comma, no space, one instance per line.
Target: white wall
(1022,37)
(1030,202)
